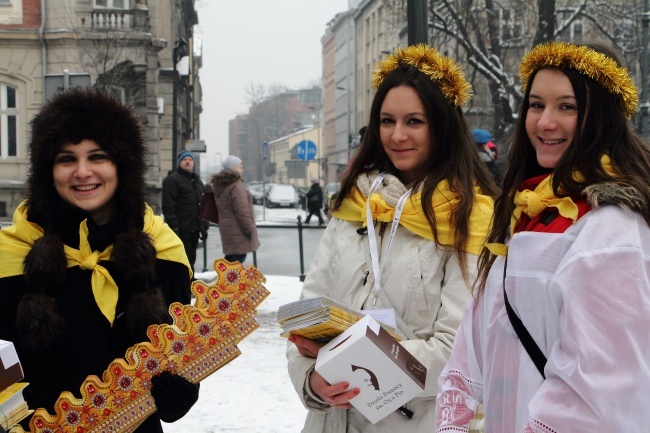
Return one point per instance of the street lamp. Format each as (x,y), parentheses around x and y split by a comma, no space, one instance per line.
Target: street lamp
(219,167)
(317,109)
(349,117)
(178,52)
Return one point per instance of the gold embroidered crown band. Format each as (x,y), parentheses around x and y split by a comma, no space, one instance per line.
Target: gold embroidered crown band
(443,71)
(597,66)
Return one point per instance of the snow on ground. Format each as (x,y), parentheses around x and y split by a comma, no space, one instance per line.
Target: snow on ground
(253,393)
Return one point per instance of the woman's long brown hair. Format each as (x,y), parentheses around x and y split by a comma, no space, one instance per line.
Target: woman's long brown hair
(453,155)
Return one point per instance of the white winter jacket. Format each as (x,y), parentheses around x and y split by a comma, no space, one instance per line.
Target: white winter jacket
(425,285)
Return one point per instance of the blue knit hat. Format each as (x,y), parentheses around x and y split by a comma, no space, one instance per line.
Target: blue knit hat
(481,136)
(183,153)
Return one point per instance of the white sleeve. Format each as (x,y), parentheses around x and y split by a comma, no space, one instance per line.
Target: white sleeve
(598,371)
(460,384)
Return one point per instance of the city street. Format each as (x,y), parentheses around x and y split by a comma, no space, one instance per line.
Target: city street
(279,253)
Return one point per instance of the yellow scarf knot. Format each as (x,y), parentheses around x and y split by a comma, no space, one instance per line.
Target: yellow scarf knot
(533,203)
(353,208)
(379,209)
(90,262)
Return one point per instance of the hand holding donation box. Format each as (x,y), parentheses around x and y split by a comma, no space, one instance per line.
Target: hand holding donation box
(369,358)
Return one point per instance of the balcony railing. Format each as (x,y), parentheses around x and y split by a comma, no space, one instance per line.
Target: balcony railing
(110,19)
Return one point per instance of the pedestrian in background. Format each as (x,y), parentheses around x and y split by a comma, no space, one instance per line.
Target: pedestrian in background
(556,338)
(86,267)
(236,213)
(418,190)
(181,200)
(315,202)
(483,139)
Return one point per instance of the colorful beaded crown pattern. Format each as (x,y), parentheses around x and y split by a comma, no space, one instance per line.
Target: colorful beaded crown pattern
(201,339)
(442,70)
(597,66)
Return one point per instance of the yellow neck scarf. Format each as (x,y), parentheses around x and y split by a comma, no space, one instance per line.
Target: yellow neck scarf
(17,240)
(533,203)
(353,208)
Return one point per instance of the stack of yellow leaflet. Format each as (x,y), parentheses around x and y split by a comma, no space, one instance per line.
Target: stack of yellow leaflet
(13,408)
(319,318)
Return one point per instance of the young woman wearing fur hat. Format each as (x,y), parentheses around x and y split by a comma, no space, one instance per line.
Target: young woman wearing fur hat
(86,267)
(556,339)
(406,230)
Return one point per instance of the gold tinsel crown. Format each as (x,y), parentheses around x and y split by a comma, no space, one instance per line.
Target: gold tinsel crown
(443,71)
(597,66)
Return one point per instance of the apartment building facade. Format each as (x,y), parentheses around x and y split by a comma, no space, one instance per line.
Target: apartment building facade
(142,51)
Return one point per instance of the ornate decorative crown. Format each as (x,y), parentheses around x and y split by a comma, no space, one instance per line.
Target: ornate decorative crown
(443,71)
(201,340)
(597,66)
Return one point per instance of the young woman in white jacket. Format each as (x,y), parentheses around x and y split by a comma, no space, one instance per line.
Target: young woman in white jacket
(409,221)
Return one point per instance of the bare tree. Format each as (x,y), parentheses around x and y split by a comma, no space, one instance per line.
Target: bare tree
(490,36)
(105,47)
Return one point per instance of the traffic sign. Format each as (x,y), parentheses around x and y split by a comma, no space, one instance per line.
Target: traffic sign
(195,145)
(306,150)
(265,146)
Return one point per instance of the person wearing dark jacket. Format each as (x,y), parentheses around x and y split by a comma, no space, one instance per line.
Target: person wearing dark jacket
(315,202)
(236,214)
(86,267)
(181,198)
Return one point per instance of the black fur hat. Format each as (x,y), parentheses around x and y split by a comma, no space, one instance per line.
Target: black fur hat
(68,117)
(87,114)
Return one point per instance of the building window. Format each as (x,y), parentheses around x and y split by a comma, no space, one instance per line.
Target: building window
(8,121)
(510,28)
(573,32)
(625,32)
(111,4)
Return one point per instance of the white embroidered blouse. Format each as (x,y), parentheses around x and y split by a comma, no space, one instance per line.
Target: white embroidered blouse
(584,296)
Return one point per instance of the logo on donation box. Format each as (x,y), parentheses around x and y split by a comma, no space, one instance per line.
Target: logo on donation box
(306,150)
(369,358)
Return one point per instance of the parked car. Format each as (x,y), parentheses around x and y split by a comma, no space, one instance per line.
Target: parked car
(302,196)
(330,190)
(257,192)
(280,195)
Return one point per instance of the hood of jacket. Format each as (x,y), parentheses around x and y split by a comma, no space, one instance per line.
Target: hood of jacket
(224,179)
(615,193)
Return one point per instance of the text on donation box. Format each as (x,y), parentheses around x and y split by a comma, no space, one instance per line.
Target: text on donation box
(369,358)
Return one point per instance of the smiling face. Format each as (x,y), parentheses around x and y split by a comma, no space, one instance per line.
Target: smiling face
(552,116)
(404,132)
(85,177)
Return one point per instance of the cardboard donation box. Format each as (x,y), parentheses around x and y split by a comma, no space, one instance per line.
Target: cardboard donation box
(369,358)
(10,369)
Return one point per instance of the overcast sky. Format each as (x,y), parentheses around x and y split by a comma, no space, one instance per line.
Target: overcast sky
(259,42)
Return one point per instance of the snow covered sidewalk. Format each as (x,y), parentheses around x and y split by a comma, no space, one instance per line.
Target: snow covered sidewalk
(253,393)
